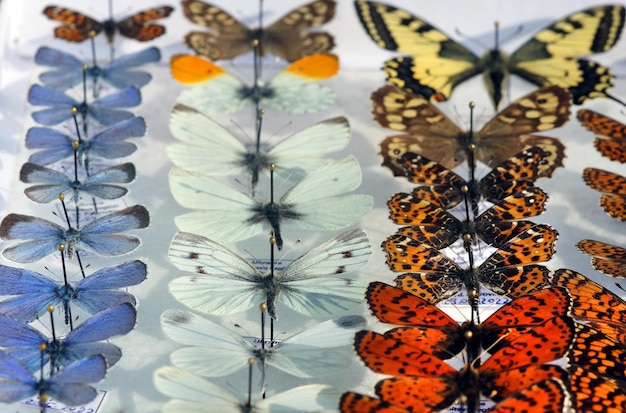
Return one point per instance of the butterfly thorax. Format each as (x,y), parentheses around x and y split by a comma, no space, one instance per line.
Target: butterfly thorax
(495,64)
(255,161)
(72,237)
(109,27)
(271,287)
(274,213)
(67,293)
(468,382)
(256,92)
(55,350)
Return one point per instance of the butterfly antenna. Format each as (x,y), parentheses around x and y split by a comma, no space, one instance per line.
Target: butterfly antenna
(613,98)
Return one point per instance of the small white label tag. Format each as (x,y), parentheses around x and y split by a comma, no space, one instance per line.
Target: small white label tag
(54,405)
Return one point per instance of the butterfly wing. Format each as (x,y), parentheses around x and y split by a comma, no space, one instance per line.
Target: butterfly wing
(217,91)
(606,258)
(70,384)
(33,293)
(101,235)
(217,351)
(110,142)
(612,140)
(105,110)
(227,37)
(22,342)
(119,72)
(54,145)
(231,215)
(205,146)
(99,184)
(613,201)
(140,26)
(287,38)
(226,283)
(98,291)
(43,237)
(550,57)
(68,69)
(54,183)
(60,103)
(192,393)
(310,398)
(76,26)
(16,382)
(294,90)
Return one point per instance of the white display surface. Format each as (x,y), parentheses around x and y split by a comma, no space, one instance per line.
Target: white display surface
(572,208)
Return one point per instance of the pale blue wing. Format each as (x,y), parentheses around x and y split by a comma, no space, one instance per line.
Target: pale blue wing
(33,293)
(55,145)
(16,382)
(118,276)
(43,237)
(56,183)
(69,68)
(99,183)
(60,104)
(110,142)
(118,75)
(15,334)
(205,146)
(105,110)
(69,385)
(115,321)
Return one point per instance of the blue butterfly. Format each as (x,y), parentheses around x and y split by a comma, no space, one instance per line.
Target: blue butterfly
(104,110)
(24,342)
(54,183)
(35,292)
(99,236)
(69,385)
(119,74)
(109,143)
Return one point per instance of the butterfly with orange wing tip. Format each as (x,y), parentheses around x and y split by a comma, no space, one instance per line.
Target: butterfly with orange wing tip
(432,330)
(292,90)
(613,201)
(606,258)
(503,373)
(78,27)
(612,140)
(445,189)
(287,38)
(430,133)
(511,271)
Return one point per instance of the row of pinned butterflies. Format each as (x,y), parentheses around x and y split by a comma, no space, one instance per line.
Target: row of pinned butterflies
(538,327)
(74,160)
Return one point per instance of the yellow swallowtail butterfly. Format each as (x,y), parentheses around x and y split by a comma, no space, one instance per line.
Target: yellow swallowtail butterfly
(437,64)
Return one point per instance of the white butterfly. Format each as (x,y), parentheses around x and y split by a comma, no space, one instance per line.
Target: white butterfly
(226,283)
(227,215)
(292,90)
(194,394)
(208,148)
(218,351)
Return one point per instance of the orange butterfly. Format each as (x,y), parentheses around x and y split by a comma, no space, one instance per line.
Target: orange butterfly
(78,27)
(432,330)
(613,201)
(612,140)
(606,258)
(444,188)
(512,270)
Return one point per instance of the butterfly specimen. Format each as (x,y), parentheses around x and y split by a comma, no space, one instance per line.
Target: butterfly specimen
(33,293)
(512,270)
(105,110)
(606,258)
(77,27)
(437,64)
(101,236)
(613,201)
(69,386)
(51,183)
(88,339)
(612,140)
(428,132)
(227,283)
(194,394)
(292,90)
(287,38)
(208,148)
(218,351)
(226,214)
(109,143)
(67,70)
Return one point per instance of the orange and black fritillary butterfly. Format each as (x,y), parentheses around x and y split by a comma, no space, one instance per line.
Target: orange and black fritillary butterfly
(613,201)
(612,140)
(592,302)
(433,331)
(428,132)
(606,258)
(439,228)
(444,188)
(593,392)
(287,38)
(78,27)
(595,351)
(511,271)
(423,382)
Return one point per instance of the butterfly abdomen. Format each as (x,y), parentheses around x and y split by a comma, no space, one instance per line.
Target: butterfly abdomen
(496,73)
